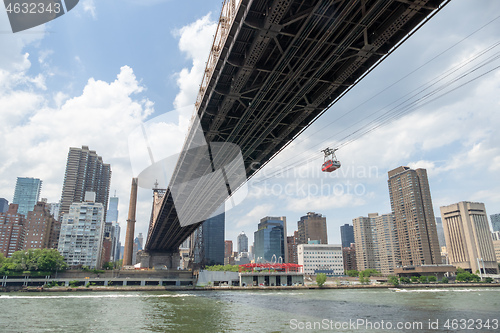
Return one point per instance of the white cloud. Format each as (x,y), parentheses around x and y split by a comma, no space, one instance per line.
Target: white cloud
(89,7)
(36,138)
(254,216)
(195,41)
(324,202)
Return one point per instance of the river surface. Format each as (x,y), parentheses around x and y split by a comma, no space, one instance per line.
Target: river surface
(351,310)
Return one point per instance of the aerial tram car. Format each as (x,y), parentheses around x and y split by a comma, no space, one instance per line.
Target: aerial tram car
(330,163)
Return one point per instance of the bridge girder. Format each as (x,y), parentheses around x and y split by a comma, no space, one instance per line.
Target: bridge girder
(281,66)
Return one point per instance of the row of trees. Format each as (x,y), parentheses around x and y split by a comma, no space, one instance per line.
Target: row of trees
(225,268)
(31,261)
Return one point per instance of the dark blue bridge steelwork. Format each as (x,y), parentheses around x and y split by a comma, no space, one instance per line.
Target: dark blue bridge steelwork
(275,67)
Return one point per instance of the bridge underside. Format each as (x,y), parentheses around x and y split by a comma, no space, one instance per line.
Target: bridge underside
(282,65)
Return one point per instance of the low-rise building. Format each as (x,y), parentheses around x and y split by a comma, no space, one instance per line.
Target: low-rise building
(321,258)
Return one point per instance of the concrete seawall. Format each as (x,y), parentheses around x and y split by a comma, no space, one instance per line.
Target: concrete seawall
(186,288)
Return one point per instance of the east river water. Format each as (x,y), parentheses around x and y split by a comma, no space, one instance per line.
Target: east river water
(351,310)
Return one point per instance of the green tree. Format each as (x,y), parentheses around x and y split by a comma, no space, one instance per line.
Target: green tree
(444,280)
(352,273)
(364,277)
(467,277)
(488,280)
(422,279)
(73,283)
(404,279)
(108,266)
(431,278)
(371,272)
(50,260)
(414,279)
(393,280)
(321,279)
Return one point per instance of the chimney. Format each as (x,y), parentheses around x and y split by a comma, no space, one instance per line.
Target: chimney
(129,237)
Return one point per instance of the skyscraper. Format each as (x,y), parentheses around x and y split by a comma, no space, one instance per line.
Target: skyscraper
(347,235)
(82,233)
(4,205)
(468,237)
(213,240)
(26,194)
(415,223)
(440,232)
(495,222)
(208,241)
(112,213)
(312,227)
(242,242)
(85,172)
(270,240)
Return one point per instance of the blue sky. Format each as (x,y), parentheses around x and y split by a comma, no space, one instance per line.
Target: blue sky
(93,75)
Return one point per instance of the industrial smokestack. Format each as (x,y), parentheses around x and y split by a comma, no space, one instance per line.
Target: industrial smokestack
(129,237)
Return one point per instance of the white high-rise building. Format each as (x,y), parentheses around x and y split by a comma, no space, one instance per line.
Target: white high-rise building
(82,233)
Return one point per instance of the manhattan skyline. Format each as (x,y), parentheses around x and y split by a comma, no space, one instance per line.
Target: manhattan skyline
(156,68)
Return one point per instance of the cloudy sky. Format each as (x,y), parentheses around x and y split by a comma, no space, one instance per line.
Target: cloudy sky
(92,76)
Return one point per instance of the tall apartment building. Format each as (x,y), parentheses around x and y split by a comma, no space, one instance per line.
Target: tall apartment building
(312,227)
(4,205)
(495,222)
(347,235)
(292,243)
(411,205)
(26,194)
(82,233)
(12,231)
(468,237)
(270,240)
(41,228)
(387,243)
(321,258)
(242,241)
(376,243)
(85,172)
(365,240)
